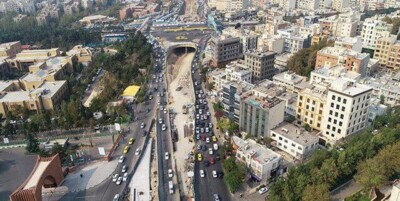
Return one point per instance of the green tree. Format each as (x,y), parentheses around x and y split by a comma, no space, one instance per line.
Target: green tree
(32,145)
(318,192)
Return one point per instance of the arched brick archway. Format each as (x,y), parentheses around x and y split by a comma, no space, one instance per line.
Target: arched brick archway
(47,173)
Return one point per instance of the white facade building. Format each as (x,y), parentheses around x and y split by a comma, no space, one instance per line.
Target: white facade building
(373,28)
(346,110)
(295,140)
(261,161)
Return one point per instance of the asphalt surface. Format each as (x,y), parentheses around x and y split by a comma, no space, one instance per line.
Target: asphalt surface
(172,36)
(15,167)
(206,187)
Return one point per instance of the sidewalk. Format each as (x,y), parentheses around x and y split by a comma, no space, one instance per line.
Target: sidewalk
(93,174)
(140,182)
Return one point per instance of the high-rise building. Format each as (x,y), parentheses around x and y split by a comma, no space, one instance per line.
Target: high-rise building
(346,110)
(231,98)
(225,49)
(261,64)
(259,114)
(373,29)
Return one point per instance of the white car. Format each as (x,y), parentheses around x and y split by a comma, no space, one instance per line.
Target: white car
(263,190)
(166,155)
(210,151)
(200,111)
(125,177)
(121,159)
(208,114)
(119,181)
(202,174)
(210,125)
(207,129)
(197,116)
(214,173)
(116,197)
(163,127)
(197,130)
(124,168)
(115,177)
(160,121)
(142,125)
(137,152)
(207,140)
(170,173)
(202,130)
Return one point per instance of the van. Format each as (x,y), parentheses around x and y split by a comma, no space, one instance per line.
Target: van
(215,146)
(171,187)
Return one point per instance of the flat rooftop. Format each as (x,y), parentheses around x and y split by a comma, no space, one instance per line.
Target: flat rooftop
(345,87)
(259,152)
(297,134)
(48,89)
(259,101)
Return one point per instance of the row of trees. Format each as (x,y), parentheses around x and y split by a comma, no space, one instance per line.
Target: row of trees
(328,169)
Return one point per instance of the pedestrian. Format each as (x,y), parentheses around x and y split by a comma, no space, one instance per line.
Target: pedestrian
(81,175)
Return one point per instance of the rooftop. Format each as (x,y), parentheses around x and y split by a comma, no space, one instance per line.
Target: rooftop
(262,102)
(48,89)
(297,134)
(259,53)
(289,76)
(131,91)
(258,152)
(346,87)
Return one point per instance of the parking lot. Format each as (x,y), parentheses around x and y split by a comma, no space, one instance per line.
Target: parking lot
(15,166)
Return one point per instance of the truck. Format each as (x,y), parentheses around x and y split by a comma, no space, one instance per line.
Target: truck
(184,109)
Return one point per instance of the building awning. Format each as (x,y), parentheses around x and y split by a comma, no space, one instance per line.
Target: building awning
(252,175)
(131,91)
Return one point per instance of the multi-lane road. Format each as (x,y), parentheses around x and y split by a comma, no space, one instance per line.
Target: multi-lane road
(208,186)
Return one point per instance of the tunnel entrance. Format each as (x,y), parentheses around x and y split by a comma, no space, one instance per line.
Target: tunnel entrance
(179,51)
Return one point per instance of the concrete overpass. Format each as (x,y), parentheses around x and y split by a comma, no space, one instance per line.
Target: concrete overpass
(46,173)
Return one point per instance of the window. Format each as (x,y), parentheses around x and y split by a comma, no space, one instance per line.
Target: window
(339,99)
(333,97)
(293,145)
(340,123)
(285,141)
(332,105)
(343,108)
(273,135)
(344,100)
(280,138)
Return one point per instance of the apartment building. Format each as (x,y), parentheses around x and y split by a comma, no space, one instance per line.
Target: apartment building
(287,5)
(309,5)
(340,5)
(262,163)
(310,105)
(373,29)
(352,60)
(387,52)
(346,110)
(225,49)
(261,64)
(248,38)
(294,140)
(268,89)
(386,86)
(291,81)
(270,43)
(229,5)
(259,114)
(351,43)
(238,71)
(330,74)
(231,93)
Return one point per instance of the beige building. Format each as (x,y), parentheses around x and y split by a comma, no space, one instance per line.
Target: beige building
(83,54)
(310,106)
(387,52)
(46,96)
(26,58)
(10,49)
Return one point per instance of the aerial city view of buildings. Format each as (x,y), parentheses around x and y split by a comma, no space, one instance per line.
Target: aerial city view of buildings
(200,100)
